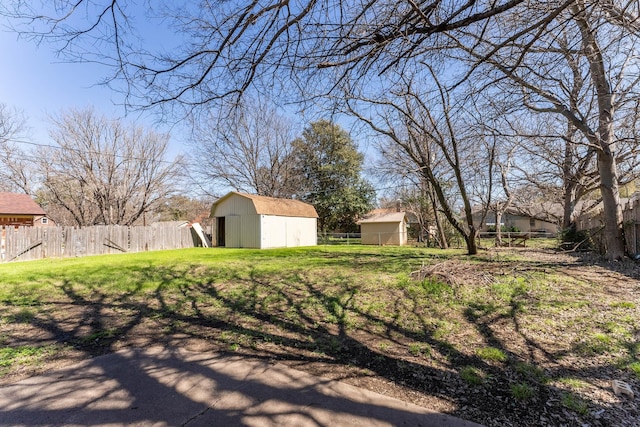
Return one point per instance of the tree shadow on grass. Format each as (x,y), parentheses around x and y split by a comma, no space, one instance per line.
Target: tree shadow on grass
(303,319)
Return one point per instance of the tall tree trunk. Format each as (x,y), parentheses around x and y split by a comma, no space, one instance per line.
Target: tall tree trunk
(472,235)
(472,244)
(604,138)
(568,205)
(614,238)
(569,187)
(444,244)
(442,236)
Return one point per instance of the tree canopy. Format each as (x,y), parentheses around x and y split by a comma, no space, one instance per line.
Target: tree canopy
(103,171)
(329,168)
(247,148)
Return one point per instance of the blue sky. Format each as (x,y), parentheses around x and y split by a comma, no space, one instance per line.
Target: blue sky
(36,83)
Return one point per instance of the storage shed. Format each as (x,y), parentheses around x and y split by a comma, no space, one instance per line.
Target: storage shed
(383,227)
(250,221)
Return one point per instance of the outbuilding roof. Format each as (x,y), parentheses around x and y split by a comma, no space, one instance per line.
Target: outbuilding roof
(274,206)
(19,204)
(384,217)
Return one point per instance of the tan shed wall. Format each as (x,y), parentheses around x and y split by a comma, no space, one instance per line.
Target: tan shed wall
(242,231)
(235,205)
(246,229)
(384,233)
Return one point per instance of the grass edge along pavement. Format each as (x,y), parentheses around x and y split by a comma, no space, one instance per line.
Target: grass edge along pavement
(524,327)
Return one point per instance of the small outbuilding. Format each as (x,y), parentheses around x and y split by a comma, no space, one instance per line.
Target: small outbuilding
(384,227)
(250,221)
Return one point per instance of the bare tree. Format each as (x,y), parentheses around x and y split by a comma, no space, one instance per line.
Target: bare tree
(247,149)
(181,207)
(102,171)
(419,201)
(572,60)
(15,171)
(554,157)
(555,167)
(424,124)
(403,181)
(230,46)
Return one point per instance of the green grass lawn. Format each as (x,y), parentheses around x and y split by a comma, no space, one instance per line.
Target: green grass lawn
(504,328)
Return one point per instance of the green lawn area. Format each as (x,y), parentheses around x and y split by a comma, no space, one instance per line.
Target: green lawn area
(478,331)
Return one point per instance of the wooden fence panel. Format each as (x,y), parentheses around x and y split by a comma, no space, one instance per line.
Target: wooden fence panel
(79,244)
(155,239)
(29,243)
(73,244)
(594,223)
(137,239)
(95,239)
(24,243)
(54,239)
(10,243)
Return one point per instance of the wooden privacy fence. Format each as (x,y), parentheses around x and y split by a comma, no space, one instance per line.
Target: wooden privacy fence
(593,224)
(30,243)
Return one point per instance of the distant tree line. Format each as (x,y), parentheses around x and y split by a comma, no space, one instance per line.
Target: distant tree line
(254,149)
(104,171)
(96,171)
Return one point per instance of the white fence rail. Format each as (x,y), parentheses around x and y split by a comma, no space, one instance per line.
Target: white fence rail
(374,238)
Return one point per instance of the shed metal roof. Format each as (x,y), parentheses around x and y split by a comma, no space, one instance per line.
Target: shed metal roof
(19,204)
(273,206)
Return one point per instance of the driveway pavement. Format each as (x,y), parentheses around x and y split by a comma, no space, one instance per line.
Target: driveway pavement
(161,387)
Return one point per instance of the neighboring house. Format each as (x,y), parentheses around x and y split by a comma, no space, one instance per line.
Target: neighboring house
(384,227)
(250,221)
(20,210)
(526,219)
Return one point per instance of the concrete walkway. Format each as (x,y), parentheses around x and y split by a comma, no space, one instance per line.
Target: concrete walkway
(160,387)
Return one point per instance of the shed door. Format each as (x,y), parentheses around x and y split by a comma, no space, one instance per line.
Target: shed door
(233,238)
(220,231)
